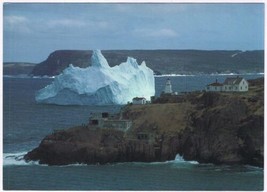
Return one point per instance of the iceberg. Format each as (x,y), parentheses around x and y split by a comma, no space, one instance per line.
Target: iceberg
(99,84)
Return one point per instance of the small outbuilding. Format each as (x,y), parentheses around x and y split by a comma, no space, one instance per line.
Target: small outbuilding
(139,101)
(216,86)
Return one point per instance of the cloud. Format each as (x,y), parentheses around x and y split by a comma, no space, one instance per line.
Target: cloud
(13,19)
(16,23)
(77,23)
(165,32)
(66,23)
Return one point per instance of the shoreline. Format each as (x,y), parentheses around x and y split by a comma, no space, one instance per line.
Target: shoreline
(11,159)
(25,76)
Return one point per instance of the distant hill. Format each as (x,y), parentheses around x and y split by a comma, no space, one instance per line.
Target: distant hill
(17,68)
(161,61)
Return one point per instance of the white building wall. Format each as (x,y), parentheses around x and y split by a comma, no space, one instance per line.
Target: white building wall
(227,88)
(139,102)
(214,88)
(243,86)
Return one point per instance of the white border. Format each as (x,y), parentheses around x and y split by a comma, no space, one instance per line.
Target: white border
(128,1)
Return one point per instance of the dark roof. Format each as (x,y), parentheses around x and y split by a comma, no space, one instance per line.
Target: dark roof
(215,84)
(138,98)
(232,80)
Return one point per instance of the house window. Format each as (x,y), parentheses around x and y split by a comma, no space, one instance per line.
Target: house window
(241,88)
(215,88)
(246,87)
(94,122)
(208,88)
(142,136)
(105,115)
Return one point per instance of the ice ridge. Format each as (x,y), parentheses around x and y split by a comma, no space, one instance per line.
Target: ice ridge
(99,84)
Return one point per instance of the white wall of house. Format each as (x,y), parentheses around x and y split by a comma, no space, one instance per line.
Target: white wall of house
(139,101)
(214,88)
(241,87)
(228,88)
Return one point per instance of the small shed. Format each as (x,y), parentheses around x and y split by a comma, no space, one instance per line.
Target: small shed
(139,101)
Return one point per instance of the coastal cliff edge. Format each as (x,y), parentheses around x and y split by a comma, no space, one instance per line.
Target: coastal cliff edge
(208,127)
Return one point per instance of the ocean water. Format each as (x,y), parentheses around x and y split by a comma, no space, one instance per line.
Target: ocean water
(25,123)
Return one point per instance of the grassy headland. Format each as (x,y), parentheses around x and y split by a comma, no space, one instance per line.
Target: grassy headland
(209,127)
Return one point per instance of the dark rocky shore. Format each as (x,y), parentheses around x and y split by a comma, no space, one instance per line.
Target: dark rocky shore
(219,128)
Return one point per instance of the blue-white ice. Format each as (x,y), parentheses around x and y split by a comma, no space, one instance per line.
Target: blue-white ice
(100,84)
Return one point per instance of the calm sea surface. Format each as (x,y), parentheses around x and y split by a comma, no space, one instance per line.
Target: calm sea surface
(25,123)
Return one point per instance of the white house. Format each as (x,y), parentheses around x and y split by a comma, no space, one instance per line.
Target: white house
(231,84)
(235,84)
(139,101)
(216,86)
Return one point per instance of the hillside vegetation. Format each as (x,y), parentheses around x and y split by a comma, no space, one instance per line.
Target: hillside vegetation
(161,61)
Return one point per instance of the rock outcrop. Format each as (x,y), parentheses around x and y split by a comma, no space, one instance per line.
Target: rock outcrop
(219,128)
(89,146)
(60,60)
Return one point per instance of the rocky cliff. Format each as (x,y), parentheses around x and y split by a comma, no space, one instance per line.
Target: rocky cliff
(61,59)
(219,128)
(160,61)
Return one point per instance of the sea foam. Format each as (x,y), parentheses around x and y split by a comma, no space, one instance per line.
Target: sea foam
(10,159)
(180,159)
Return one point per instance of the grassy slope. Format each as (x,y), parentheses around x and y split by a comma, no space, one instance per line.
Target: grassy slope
(167,118)
(171,118)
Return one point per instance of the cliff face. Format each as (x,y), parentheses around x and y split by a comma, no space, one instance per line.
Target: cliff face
(228,132)
(91,146)
(227,128)
(219,128)
(59,60)
(160,61)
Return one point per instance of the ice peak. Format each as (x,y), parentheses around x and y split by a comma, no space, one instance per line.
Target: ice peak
(143,64)
(98,60)
(132,62)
